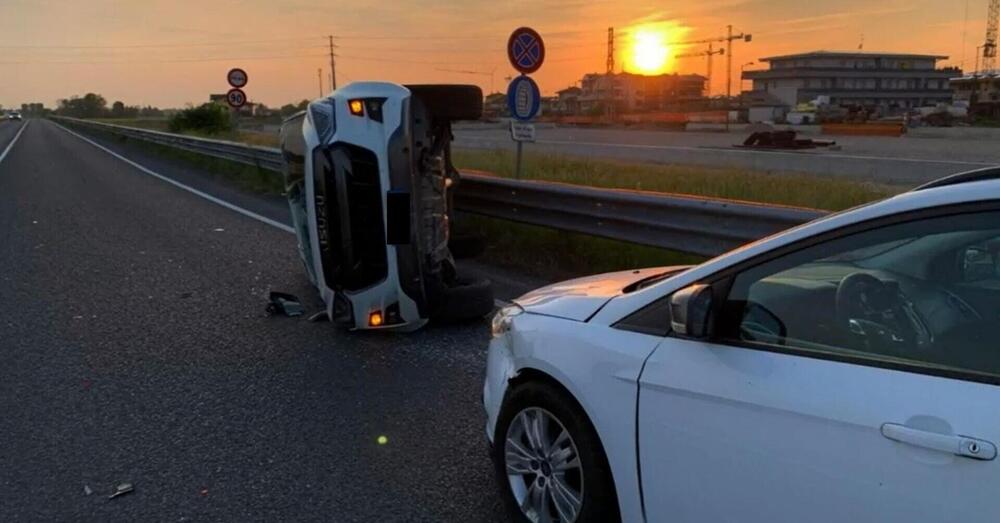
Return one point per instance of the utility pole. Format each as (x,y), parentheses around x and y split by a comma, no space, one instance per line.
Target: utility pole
(333,67)
(609,75)
(611,51)
(729,71)
(319,75)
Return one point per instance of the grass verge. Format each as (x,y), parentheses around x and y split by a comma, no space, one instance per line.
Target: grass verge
(800,190)
(160,124)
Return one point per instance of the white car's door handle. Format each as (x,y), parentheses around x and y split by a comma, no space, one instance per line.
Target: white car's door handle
(959,445)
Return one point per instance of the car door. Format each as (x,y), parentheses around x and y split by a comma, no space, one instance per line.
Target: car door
(792,411)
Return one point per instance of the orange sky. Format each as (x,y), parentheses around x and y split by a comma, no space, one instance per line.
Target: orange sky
(171,52)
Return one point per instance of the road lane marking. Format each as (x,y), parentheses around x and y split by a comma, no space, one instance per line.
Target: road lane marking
(12,142)
(192,190)
(496,302)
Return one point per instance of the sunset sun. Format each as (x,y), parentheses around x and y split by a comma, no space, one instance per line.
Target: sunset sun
(650,50)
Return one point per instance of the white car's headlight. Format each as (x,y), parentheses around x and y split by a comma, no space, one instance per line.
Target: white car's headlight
(501,321)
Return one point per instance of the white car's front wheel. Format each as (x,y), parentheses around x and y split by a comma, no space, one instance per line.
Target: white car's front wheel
(550,464)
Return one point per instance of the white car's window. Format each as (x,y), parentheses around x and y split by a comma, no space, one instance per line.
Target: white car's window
(925,292)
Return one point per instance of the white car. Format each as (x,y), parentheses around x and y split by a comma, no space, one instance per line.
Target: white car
(844,370)
(369,181)
(14,116)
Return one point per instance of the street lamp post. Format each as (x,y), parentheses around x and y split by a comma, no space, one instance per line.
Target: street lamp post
(742,68)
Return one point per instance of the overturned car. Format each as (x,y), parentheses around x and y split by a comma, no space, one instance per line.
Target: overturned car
(369,180)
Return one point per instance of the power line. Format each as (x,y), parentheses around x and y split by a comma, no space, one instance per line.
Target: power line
(147,46)
(78,62)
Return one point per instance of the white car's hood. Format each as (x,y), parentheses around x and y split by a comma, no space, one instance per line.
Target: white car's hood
(579,299)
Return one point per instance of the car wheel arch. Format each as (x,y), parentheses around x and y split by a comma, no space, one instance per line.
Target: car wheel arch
(532,375)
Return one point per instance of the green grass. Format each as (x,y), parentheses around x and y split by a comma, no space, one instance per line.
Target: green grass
(160,124)
(800,190)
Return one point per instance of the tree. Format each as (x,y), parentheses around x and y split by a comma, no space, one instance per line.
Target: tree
(92,105)
(118,109)
(209,118)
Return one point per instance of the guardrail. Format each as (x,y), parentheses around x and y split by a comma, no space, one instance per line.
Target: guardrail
(703,226)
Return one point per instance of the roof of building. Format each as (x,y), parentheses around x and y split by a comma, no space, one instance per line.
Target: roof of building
(973,78)
(855,54)
(687,76)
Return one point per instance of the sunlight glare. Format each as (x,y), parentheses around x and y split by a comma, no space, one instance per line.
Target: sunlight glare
(650,51)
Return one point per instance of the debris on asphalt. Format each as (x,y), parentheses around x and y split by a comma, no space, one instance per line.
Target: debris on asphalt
(87,490)
(319,316)
(121,490)
(281,303)
(781,140)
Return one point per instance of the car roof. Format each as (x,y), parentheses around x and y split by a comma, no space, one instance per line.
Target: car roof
(959,192)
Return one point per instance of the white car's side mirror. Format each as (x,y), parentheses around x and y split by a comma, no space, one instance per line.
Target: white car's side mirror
(689,310)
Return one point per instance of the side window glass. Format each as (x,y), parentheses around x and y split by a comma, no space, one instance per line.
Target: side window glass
(924,292)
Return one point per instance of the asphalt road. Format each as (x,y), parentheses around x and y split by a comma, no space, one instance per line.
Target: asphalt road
(8,130)
(135,349)
(904,161)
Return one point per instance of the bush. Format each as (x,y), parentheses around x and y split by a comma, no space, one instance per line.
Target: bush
(208,118)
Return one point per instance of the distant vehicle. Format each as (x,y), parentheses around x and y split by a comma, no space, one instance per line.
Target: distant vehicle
(369,180)
(844,370)
(14,116)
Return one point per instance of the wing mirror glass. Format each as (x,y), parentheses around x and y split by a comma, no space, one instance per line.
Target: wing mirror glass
(690,310)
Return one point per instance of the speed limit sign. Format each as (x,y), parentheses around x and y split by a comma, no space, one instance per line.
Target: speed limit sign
(236,97)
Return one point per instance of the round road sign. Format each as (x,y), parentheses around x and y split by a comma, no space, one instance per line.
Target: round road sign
(237,77)
(523,98)
(236,97)
(525,50)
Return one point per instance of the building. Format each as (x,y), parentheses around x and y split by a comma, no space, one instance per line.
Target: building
(977,89)
(628,92)
(889,81)
(568,101)
(495,105)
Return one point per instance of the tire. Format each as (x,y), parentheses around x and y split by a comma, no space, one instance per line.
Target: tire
(593,479)
(450,102)
(466,245)
(464,300)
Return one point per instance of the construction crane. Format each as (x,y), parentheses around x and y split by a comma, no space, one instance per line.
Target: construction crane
(990,46)
(708,55)
(728,39)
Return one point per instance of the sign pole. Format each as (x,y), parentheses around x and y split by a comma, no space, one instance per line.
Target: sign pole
(517,162)
(526,52)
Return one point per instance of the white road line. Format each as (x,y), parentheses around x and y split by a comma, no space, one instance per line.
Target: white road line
(192,190)
(12,142)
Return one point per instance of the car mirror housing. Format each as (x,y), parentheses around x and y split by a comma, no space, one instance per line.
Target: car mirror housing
(689,310)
